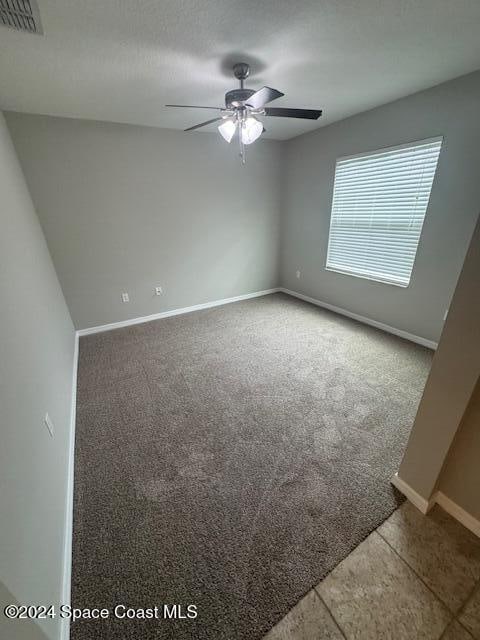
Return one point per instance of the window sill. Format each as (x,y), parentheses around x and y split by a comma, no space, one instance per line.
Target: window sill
(368,277)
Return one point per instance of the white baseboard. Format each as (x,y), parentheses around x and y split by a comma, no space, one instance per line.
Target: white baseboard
(173,312)
(442,500)
(68,526)
(216,303)
(355,316)
(458,513)
(415,498)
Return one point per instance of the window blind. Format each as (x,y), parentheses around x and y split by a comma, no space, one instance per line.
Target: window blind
(378,208)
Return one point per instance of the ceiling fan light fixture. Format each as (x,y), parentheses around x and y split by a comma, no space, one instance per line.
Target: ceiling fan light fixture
(251,130)
(227,129)
(241,107)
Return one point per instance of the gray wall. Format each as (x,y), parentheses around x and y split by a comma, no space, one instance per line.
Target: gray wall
(36,364)
(451,110)
(460,479)
(127,208)
(13,629)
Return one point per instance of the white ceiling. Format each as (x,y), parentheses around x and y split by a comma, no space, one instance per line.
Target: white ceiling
(123,60)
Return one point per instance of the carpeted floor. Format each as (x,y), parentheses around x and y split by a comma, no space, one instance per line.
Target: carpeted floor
(230,458)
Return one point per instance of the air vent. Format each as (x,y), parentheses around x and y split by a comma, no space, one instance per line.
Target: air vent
(22,15)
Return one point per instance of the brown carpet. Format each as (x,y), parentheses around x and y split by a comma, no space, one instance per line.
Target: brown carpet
(230,458)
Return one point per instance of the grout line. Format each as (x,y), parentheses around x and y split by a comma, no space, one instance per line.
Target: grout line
(459,623)
(463,626)
(404,561)
(335,621)
(415,574)
(469,597)
(454,616)
(446,629)
(418,576)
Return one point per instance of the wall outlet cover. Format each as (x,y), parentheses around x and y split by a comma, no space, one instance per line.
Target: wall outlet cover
(125,297)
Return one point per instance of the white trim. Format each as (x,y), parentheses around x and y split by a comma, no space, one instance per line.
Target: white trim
(458,513)
(355,316)
(357,274)
(68,525)
(442,500)
(415,498)
(173,312)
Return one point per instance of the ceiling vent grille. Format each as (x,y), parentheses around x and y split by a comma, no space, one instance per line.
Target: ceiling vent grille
(22,15)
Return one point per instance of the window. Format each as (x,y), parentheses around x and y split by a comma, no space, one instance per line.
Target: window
(378,208)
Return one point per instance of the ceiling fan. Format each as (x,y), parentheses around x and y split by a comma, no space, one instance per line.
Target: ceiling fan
(242,108)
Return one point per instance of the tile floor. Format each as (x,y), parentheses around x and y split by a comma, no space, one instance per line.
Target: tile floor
(415,578)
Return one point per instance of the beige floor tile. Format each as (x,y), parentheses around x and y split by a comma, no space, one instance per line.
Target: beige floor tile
(373,594)
(470,616)
(308,620)
(440,550)
(455,631)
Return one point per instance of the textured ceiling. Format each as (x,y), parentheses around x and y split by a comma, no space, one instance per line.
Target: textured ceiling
(122,60)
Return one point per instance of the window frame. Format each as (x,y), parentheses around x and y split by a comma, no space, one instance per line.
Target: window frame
(366,154)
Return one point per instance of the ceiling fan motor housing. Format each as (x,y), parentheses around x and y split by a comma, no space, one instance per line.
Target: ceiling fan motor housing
(237,97)
(241,70)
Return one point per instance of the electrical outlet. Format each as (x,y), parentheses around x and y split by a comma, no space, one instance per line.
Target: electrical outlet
(158,291)
(125,297)
(298,274)
(49,424)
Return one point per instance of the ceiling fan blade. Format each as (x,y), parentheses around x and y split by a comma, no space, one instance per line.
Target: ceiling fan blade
(191,106)
(263,96)
(203,124)
(306,114)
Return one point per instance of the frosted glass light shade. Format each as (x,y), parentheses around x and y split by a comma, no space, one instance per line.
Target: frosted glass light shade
(251,130)
(227,129)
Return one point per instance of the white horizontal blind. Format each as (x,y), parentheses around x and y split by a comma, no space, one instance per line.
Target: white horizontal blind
(378,208)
